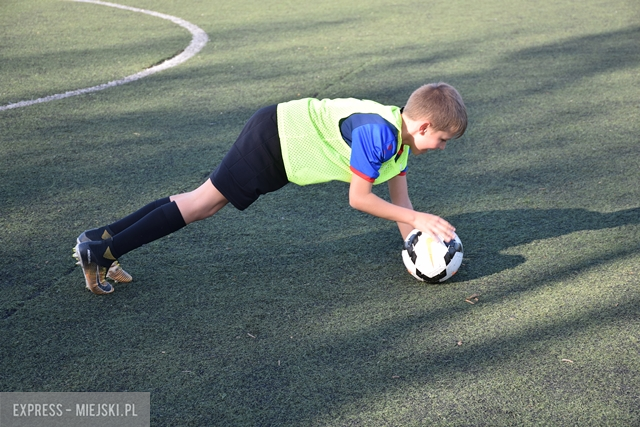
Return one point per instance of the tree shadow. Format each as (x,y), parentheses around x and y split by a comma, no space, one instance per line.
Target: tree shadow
(331,370)
(487,234)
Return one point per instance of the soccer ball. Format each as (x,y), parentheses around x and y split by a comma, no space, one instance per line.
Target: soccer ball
(429,259)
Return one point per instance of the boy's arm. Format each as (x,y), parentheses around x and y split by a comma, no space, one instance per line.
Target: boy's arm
(399,192)
(362,198)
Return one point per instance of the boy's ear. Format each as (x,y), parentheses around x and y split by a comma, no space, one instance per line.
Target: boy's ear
(424,126)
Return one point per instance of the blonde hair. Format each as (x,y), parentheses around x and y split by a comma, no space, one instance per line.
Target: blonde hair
(441,104)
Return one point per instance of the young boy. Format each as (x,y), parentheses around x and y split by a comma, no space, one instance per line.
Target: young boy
(305,141)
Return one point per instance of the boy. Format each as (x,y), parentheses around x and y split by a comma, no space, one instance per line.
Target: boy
(305,142)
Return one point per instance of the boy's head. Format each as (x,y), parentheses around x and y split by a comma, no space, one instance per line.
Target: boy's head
(441,105)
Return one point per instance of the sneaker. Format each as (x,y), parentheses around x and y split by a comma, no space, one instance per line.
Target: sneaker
(116,272)
(94,274)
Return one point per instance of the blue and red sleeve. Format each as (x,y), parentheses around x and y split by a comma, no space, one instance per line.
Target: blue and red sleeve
(373,141)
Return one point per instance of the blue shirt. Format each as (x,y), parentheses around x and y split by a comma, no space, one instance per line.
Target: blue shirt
(373,141)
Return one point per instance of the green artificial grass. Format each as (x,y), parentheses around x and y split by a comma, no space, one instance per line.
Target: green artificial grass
(55,46)
(298,311)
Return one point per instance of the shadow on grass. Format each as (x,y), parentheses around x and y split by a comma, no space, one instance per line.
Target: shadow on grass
(341,372)
(490,233)
(348,373)
(540,69)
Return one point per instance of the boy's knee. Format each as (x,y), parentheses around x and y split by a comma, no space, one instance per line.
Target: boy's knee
(201,203)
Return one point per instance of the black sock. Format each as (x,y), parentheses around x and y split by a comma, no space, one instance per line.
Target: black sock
(158,223)
(129,220)
(100,233)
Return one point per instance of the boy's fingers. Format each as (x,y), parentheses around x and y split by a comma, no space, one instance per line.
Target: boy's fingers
(445,237)
(447,232)
(442,234)
(439,228)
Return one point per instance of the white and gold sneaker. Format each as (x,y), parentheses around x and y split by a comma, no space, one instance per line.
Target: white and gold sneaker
(94,274)
(115,272)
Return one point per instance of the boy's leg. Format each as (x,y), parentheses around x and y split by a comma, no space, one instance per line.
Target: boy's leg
(116,272)
(200,203)
(168,218)
(102,233)
(253,166)
(129,220)
(181,210)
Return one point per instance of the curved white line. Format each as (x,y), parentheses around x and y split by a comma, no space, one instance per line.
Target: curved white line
(198,41)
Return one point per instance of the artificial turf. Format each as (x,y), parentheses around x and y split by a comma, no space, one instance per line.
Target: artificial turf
(298,311)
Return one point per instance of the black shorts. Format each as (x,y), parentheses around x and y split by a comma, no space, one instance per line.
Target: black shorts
(253,166)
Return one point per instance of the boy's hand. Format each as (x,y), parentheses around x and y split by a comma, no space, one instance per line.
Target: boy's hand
(427,223)
(434,225)
(400,211)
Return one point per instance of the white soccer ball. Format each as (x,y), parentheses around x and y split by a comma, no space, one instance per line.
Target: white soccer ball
(429,259)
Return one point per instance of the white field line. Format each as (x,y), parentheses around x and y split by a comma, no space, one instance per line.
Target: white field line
(198,41)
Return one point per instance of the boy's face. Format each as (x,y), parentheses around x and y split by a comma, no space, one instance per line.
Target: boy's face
(424,138)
